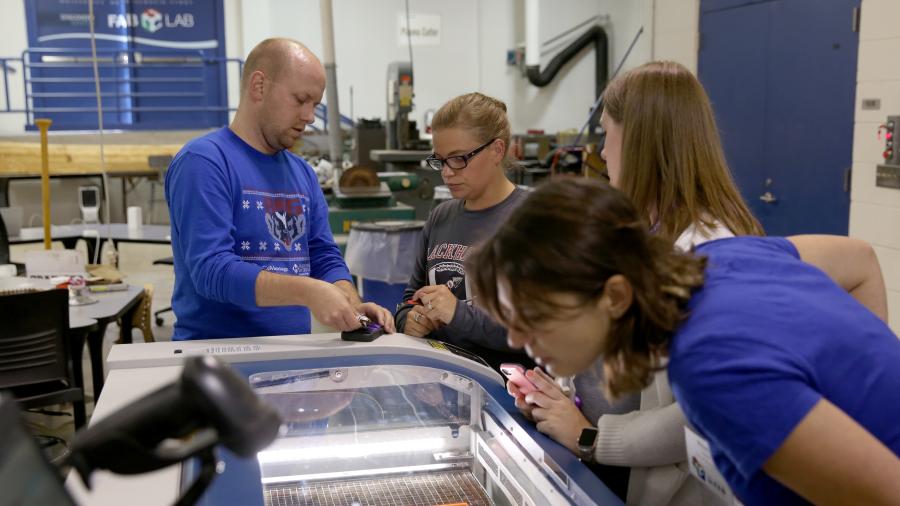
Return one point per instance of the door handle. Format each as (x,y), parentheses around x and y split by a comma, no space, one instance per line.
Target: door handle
(768,198)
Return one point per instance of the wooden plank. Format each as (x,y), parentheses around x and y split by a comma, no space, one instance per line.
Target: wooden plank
(24,158)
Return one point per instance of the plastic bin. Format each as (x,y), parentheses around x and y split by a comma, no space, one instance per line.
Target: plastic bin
(382,255)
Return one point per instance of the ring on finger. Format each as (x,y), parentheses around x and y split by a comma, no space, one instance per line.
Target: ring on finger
(416,317)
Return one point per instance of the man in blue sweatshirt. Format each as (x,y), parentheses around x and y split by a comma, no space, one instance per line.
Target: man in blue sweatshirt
(253,250)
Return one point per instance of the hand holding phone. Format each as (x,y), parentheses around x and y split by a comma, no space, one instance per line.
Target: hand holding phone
(515,373)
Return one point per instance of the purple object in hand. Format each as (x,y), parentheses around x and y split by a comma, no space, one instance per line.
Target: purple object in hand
(367,333)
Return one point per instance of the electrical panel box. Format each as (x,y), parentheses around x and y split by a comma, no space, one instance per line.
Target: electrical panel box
(887,174)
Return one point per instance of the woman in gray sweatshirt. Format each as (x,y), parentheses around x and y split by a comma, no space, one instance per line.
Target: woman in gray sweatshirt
(471,141)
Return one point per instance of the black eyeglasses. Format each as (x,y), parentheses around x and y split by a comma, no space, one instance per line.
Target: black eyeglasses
(458,162)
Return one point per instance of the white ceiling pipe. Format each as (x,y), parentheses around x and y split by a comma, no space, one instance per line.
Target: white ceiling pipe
(331,89)
(532,33)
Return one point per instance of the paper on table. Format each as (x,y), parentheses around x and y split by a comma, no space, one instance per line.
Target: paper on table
(13,286)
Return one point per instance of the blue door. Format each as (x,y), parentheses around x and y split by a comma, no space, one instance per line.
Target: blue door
(782,78)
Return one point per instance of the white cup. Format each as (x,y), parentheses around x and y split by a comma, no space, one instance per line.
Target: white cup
(8,271)
(135,219)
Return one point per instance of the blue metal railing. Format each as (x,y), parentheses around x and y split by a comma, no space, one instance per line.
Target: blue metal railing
(322,114)
(139,88)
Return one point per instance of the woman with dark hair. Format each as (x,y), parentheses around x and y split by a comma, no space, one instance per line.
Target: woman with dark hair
(663,151)
(791,379)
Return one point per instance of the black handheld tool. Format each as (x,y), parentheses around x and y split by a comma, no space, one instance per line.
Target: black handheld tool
(369,331)
(210,404)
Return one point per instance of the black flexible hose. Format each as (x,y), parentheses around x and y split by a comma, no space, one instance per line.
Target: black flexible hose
(596,36)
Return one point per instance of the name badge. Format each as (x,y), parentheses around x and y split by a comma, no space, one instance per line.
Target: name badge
(703,468)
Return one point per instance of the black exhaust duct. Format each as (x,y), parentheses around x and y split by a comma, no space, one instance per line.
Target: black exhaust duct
(596,36)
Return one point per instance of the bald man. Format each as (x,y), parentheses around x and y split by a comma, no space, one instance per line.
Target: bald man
(253,250)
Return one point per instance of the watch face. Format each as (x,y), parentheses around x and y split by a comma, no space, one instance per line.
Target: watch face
(587,437)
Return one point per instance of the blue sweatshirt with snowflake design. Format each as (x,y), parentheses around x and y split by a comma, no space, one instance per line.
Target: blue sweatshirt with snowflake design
(235,212)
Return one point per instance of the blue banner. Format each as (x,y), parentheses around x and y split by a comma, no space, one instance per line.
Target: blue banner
(162,63)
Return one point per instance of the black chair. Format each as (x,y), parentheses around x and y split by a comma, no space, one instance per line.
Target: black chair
(158,319)
(4,249)
(35,360)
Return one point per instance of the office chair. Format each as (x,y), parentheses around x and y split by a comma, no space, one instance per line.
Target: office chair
(35,363)
(168,309)
(142,317)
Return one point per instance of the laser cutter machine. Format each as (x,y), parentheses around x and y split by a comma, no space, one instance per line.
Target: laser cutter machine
(396,421)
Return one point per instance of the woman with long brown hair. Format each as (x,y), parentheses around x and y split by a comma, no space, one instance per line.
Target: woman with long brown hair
(792,381)
(663,151)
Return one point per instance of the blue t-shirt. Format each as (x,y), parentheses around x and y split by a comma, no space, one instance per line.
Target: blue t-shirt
(768,336)
(236,211)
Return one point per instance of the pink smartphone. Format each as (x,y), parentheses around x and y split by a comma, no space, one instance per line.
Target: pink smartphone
(516,374)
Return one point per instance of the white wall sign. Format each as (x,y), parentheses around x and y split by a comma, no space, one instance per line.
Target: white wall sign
(424,29)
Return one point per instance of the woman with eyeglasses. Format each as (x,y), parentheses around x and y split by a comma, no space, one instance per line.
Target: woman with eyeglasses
(662,150)
(777,348)
(471,137)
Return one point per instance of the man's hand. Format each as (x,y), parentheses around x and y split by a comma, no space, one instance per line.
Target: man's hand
(418,324)
(438,301)
(556,415)
(331,306)
(378,314)
(335,305)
